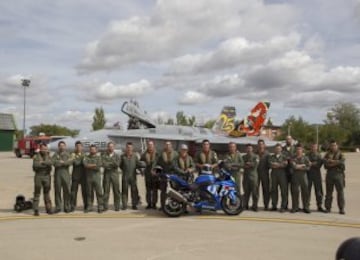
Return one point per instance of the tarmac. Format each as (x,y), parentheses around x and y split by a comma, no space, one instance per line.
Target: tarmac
(149,234)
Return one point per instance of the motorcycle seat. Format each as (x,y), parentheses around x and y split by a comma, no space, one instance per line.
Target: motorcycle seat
(193,186)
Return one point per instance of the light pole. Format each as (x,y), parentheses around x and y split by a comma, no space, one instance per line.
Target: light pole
(25,83)
(289,129)
(317,136)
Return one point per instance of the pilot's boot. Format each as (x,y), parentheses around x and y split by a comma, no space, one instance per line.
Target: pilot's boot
(48,208)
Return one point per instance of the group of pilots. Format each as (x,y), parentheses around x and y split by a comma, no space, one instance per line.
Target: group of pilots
(288,170)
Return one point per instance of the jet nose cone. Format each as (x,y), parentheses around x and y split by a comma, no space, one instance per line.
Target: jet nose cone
(267,104)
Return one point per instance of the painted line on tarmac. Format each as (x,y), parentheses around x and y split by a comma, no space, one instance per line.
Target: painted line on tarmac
(327,223)
(288,221)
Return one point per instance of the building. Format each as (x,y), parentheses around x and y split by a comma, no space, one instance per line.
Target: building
(7,132)
(271,132)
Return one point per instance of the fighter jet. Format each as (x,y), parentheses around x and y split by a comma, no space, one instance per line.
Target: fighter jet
(141,129)
(99,138)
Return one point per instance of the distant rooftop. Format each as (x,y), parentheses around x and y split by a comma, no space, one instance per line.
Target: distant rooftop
(7,122)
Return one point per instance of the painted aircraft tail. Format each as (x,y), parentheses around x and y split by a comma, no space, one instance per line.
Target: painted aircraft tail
(225,123)
(251,125)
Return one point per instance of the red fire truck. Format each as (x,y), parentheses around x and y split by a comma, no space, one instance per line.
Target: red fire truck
(30,144)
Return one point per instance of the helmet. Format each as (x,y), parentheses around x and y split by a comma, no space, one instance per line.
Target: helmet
(142,164)
(206,169)
(158,169)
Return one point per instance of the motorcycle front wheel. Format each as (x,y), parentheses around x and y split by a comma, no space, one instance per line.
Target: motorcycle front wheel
(173,208)
(232,207)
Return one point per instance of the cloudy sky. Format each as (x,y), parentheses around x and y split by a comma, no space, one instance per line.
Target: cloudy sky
(196,56)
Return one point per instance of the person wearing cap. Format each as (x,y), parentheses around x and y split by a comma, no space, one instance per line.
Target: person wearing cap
(300,165)
(129,163)
(78,177)
(184,164)
(166,162)
(277,163)
(42,166)
(234,164)
(110,162)
(150,157)
(206,156)
(62,161)
(250,180)
(92,163)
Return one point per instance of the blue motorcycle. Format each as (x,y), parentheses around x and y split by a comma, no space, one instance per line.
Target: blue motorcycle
(208,192)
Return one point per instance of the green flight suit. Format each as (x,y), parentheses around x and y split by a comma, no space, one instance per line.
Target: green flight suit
(299,180)
(183,167)
(78,178)
(166,161)
(289,152)
(278,180)
(151,181)
(42,180)
(93,181)
(62,161)
(264,177)
(236,160)
(314,177)
(209,158)
(110,163)
(335,176)
(128,166)
(250,180)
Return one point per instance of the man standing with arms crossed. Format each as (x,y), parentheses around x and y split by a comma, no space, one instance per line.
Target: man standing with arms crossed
(250,180)
(263,172)
(92,164)
(78,176)
(314,176)
(234,163)
(110,162)
(150,157)
(42,166)
(278,163)
(166,161)
(334,162)
(62,161)
(300,164)
(129,162)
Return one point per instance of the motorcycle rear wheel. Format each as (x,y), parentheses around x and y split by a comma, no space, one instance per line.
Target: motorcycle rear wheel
(173,208)
(232,208)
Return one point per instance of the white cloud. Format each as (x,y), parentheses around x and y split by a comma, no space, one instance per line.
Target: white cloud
(108,91)
(193,97)
(176,26)
(235,52)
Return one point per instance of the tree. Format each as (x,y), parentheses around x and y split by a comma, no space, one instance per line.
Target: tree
(99,120)
(182,119)
(346,117)
(331,131)
(299,129)
(170,121)
(52,130)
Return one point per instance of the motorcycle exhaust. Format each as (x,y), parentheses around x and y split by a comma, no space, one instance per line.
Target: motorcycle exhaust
(176,196)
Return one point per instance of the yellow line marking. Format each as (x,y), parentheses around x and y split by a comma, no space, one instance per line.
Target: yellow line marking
(327,223)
